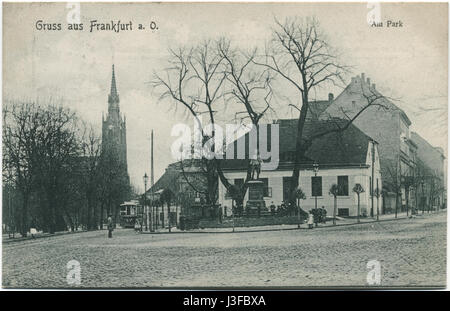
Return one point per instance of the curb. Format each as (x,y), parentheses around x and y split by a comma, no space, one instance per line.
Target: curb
(29,238)
(278,229)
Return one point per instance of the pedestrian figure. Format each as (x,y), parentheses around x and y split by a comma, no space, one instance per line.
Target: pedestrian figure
(137,226)
(33,232)
(316,216)
(324,215)
(110,226)
(289,207)
(310,220)
(283,208)
(272,209)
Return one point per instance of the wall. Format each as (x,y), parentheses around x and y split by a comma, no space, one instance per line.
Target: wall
(380,124)
(329,176)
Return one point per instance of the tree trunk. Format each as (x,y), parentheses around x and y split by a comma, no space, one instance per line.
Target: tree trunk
(407,202)
(168,215)
(334,210)
(396,204)
(299,148)
(359,209)
(102,207)
(24,224)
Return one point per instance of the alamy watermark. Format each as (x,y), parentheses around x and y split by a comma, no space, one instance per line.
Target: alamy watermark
(200,142)
(374,274)
(73,276)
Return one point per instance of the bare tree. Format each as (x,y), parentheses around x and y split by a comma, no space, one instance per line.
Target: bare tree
(194,79)
(358,189)
(250,88)
(300,54)
(57,149)
(20,127)
(90,157)
(393,181)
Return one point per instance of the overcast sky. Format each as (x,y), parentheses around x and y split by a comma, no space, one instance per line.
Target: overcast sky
(408,63)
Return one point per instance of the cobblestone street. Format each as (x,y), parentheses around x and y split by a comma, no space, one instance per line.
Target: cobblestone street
(412,252)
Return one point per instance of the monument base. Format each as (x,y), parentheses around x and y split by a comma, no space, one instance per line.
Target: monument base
(255,204)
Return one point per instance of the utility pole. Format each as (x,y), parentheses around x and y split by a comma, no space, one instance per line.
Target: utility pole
(145,203)
(152,183)
(378,196)
(373,174)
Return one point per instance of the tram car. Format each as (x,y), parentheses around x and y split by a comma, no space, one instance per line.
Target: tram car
(129,212)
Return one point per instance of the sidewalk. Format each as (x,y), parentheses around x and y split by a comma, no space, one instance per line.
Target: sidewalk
(339,222)
(17,237)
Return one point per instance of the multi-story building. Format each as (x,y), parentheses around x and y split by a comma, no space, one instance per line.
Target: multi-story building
(378,117)
(433,184)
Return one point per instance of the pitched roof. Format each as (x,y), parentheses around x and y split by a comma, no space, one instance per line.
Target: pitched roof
(337,149)
(359,85)
(316,108)
(343,148)
(167,180)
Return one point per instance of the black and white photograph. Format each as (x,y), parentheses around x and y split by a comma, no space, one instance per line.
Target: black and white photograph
(224,145)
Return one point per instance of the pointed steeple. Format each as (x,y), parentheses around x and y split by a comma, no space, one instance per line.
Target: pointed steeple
(113,97)
(113,83)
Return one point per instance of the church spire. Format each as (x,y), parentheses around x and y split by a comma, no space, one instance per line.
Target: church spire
(113,83)
(113,98)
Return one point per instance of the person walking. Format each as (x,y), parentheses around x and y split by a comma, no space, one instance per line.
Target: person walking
(137,226)
(110,226)
(310,220)
(324,215)
(272,209)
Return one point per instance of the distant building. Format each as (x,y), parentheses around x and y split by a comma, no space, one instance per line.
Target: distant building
(384,122)
(114,150)
(432,191)
(183,181)
(114,129)
(317,107)
(344,158)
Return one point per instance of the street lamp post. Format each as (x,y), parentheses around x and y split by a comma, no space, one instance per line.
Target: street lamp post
(422,201)
(316,170)
(145,202)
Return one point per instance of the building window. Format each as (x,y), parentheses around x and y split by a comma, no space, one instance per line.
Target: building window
(343,185)
(316,186)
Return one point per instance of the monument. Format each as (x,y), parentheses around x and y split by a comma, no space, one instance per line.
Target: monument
(255,204)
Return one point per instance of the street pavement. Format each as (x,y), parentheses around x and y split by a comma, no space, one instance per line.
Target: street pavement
(411,252)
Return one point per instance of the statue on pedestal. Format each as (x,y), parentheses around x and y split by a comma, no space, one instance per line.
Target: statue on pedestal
(255,165)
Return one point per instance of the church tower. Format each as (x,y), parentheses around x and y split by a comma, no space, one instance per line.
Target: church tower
(114,129)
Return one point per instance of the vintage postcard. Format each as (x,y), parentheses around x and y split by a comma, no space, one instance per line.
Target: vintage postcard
(224,145)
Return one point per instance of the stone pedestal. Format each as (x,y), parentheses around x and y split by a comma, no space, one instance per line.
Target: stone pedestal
(255,204)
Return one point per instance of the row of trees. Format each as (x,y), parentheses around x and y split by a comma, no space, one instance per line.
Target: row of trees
(419,181)
(55,176)
(207,78)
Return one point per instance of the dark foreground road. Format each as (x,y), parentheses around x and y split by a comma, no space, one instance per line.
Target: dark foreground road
(412,252)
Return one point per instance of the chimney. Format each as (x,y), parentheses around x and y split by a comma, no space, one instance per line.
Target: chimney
(368,81)
(330,97)
(373,86)
(363,77)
